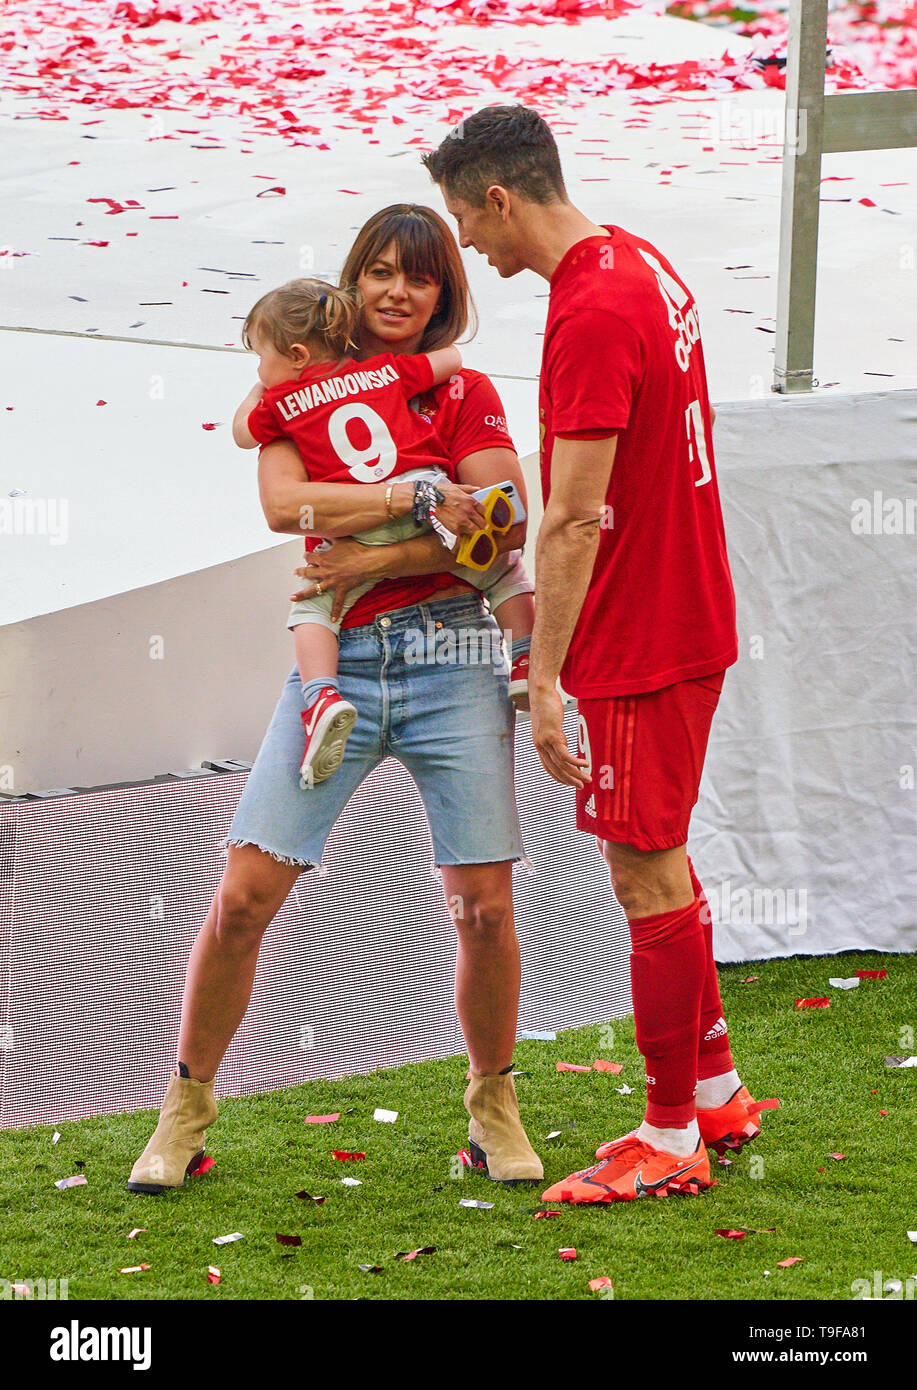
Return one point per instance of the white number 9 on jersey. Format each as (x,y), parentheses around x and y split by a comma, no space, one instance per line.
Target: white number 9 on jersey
(379,457)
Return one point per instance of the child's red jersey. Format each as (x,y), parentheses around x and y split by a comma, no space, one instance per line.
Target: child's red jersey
(351,421)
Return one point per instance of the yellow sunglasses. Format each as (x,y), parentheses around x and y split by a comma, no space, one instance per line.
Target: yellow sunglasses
(478,551)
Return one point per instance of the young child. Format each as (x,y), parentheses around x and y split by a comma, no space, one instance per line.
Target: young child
(351,423)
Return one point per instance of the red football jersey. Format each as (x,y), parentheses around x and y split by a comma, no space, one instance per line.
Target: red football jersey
(622,354)
(350,420)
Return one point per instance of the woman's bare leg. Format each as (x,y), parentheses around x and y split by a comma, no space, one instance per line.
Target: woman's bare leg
(487,974)
(221,967)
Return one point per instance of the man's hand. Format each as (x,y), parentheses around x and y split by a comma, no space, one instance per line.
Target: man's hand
(547,712)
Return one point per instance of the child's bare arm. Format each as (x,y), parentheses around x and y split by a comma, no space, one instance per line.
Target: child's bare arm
(445,363)
(240,431)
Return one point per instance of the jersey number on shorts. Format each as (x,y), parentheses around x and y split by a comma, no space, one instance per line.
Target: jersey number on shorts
(697,442)
(379,457)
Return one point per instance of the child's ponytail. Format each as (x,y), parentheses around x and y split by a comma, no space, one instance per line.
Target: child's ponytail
(339,316)
(308,312)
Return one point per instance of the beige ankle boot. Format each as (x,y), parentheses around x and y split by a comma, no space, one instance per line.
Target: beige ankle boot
(495,1133)
(177,1143)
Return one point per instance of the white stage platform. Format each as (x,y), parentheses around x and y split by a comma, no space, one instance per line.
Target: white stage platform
(142,623)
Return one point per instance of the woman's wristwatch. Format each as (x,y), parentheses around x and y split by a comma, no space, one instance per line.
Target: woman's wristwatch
(426,497)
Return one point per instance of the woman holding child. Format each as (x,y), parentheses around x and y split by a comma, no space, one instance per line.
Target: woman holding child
(451,725)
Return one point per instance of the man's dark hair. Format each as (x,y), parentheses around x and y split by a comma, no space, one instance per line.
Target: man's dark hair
(508,145)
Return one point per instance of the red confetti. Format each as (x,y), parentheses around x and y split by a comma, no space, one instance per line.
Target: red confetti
(871,974)
(203,1167)
(813,1003)
(277,188)
(345,1157)
(838,1157)
(731,1235)
(793,1260)
(603,1282)
(749,979)
(213,1274)
(570,1066)
(614,1067)
(101,402)
(867,202)
(537,1215)
(288,1240)
(214,427)
(568,1254)
(320,1119)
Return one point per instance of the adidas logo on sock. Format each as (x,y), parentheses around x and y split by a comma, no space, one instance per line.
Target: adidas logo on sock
(717,1031)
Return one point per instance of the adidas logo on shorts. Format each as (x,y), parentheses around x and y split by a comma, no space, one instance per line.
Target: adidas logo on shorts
(590,807)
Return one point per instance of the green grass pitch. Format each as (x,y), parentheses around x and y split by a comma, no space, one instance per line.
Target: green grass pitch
(845,1219)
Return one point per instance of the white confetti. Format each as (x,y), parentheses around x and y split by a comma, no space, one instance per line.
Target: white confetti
(851,983)
(55,1136)
(538,1035)
(912,1237)
(227,1240)
(351,1182)
(385,1117)
(555,1134)
(467,1202)
(624,1090)
(137,1231)
(78,1181)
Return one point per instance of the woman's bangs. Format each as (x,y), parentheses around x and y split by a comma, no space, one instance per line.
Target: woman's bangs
(420,248)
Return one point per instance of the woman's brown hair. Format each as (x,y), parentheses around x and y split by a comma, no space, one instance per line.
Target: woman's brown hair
(306,311)
(426,246)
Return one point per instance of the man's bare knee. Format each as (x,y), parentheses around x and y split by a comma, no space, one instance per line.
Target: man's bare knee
(646,882)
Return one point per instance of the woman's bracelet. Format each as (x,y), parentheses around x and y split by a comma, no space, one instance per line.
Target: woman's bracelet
(388,501)
(426,497)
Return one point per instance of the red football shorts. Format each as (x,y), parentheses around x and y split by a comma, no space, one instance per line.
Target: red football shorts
(646,755)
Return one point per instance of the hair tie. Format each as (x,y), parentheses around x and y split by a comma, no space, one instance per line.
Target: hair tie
(322,299)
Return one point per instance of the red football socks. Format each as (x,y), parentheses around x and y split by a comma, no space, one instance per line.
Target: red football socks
(713,1053)
(668,970)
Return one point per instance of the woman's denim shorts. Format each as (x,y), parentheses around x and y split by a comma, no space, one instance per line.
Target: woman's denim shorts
(430,686)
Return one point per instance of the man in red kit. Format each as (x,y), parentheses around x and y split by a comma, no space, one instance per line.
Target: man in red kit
(635,614)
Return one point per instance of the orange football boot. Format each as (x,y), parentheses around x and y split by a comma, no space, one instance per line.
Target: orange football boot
(634,1169)
(731,1126)
(723,1127)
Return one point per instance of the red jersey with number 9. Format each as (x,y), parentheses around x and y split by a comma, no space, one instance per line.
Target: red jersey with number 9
(622,354)
(351,421)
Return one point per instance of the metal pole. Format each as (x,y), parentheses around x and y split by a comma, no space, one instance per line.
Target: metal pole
(802,150)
